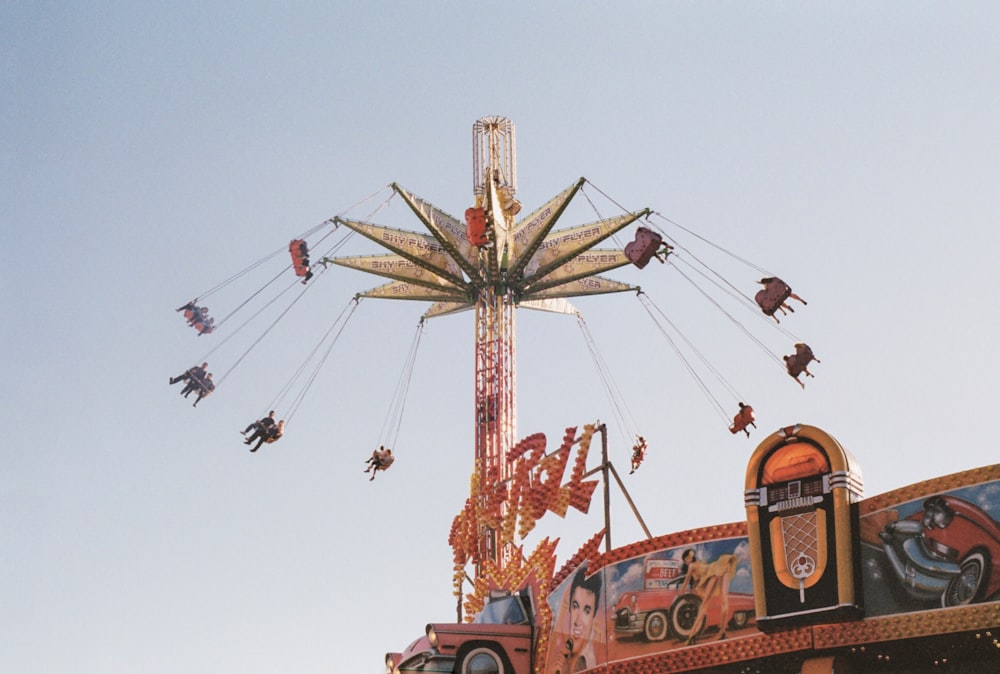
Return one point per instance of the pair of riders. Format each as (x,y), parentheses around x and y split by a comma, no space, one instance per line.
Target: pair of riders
(380,459)
(198,380)
(264,430)
(772,296)
(198,318)
(797,363)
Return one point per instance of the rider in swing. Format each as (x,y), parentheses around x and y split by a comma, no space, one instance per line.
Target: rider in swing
(380,459)
(638,453)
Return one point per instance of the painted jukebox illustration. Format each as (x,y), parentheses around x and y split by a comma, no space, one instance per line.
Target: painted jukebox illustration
(802,490)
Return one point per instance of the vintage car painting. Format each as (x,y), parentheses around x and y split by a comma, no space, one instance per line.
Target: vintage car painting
(949,550)
(655,614)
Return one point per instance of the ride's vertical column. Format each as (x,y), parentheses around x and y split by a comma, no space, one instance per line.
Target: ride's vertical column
(495,412)
(486,441)
(494,184)
(506,408)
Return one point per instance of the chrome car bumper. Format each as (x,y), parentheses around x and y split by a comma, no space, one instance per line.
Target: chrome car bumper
(628,623)
(923,574)
(428,661)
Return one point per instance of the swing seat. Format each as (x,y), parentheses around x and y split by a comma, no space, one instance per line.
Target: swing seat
(804,353)
(475,226)
(300,256)
(798,363)
(742,419)
(204,384)
(772,296)
(640,251)
(793,367)
(198,319)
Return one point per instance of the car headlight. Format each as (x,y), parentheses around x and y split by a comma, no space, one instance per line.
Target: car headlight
(937,513)
(432,636)
(943,516)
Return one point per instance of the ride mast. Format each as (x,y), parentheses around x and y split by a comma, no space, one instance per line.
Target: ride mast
(493,265)
(494,182)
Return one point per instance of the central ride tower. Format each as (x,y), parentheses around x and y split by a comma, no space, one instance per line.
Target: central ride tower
(493,265)
(494,185)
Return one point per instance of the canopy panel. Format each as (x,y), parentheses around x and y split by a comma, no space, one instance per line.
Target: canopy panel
(421,249)
(399,268)
(529,233)
(447,229)
(594,285)
(585,264)
(402,290)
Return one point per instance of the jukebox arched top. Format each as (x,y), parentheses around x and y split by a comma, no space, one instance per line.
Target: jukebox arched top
(794,461)
(801,451)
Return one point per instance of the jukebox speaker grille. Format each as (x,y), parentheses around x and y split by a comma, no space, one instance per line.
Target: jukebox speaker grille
(801,541)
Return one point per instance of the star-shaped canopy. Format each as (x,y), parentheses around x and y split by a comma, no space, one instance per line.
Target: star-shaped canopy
(539,267)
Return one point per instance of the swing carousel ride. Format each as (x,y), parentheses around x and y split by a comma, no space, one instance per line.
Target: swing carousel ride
(491,264)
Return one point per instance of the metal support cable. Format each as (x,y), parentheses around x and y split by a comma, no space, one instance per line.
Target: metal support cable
(713,244)
(267,330)
(738,324)
(297,401)
(684,361)
(394,415)
(626,422)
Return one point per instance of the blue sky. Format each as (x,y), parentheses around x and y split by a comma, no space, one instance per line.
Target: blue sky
(149,151)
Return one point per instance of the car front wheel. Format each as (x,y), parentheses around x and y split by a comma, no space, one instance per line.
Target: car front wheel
(683,613)
(968,584)
(656,626)
(482,661)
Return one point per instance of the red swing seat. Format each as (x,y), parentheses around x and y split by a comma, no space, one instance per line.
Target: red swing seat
(742,419)
(475,226)
(641,250)
(772,296)
(300,259)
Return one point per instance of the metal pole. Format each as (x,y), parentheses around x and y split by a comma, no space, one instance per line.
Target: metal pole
(607,487)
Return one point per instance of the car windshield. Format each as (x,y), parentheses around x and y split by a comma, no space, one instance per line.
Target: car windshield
(506,611)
